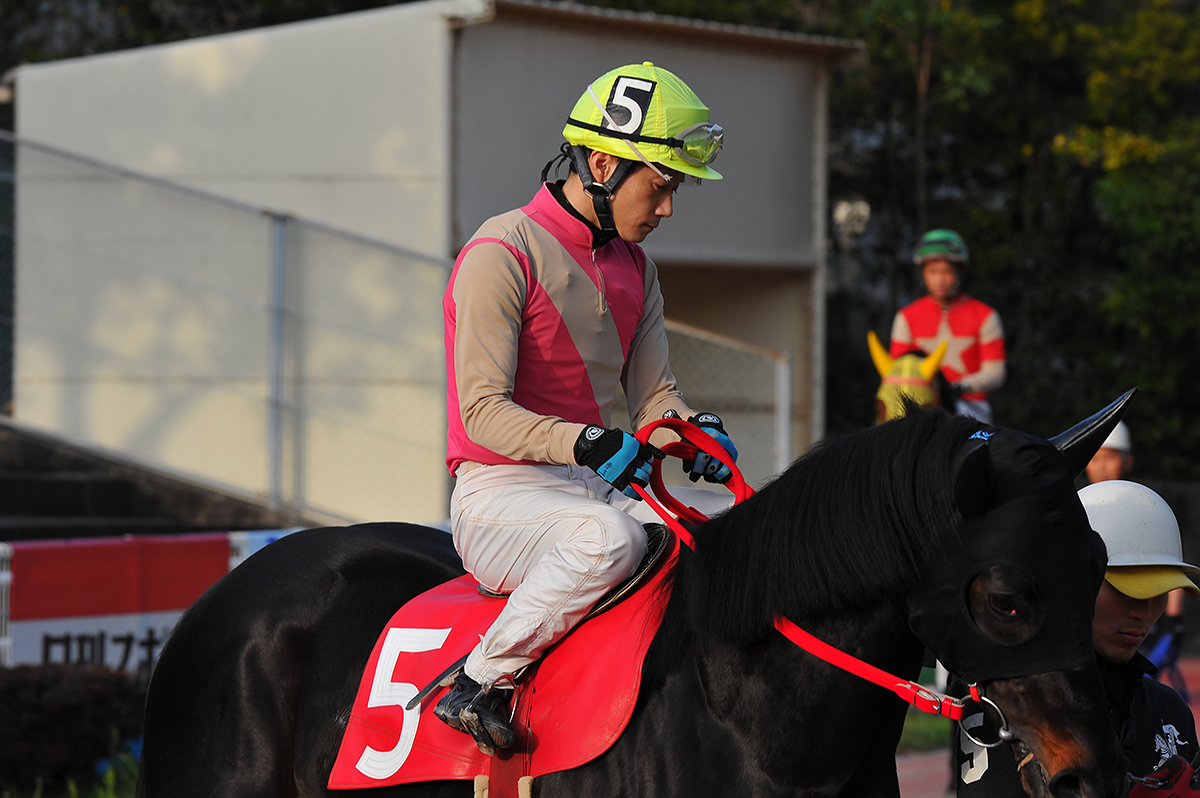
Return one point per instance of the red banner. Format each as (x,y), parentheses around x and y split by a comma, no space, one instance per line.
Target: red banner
(114,576)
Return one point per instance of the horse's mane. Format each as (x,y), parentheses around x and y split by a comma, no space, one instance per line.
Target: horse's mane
(844,526)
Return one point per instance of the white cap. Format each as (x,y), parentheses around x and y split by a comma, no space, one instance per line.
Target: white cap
(1119,439)
(1142,537)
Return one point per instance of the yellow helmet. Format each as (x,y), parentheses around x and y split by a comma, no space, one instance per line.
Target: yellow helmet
(643,112)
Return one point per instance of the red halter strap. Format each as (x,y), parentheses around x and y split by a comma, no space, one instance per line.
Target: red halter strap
(922,698)
(672,511)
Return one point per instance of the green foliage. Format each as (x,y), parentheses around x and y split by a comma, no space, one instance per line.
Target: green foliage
(924,732)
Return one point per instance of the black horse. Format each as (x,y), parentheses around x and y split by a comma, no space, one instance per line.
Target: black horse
(928,530)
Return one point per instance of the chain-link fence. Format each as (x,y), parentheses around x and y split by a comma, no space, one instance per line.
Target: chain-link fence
(273,355)
(222,341)
(747,386)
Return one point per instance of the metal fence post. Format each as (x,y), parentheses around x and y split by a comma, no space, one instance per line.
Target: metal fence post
(783,412)
(279,224)
(6,633)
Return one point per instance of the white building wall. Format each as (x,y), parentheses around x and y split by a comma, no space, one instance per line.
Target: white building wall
(166,357)
(343,119)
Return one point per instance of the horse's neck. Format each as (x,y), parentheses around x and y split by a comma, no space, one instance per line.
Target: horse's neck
(878,635)
(824,721)
(766,719)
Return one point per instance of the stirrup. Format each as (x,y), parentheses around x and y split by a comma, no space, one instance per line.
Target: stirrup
(480,711)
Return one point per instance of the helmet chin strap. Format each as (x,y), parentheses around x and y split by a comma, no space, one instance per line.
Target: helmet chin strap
(601,193)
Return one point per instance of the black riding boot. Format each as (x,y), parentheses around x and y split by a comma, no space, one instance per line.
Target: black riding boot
(482,714)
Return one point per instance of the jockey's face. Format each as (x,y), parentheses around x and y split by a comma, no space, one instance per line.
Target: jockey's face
(941,280)
(642,201)
(1121,623)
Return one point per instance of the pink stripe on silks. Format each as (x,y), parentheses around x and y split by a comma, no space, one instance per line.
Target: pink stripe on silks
(630,282)
(552,377)
(623,281)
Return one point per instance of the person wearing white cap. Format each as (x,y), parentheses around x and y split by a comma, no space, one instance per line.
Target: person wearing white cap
(1145,563)
(1114,458)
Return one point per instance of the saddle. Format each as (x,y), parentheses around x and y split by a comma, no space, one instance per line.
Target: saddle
(569,707)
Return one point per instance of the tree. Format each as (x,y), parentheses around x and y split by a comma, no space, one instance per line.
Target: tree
(1061,139)
(1141,141)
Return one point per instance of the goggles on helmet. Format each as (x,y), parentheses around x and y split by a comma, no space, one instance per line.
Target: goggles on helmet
(699,144)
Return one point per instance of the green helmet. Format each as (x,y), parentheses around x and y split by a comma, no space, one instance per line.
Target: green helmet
(942,245)
(641,112)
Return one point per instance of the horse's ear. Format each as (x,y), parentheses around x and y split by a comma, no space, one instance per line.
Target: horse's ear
(931,364)
(1082,441)
(882,360)
(974,479)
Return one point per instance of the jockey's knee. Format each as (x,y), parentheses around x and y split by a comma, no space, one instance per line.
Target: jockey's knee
(618,542)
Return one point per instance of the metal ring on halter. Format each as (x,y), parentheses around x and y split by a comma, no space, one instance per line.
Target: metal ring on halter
(1004,734)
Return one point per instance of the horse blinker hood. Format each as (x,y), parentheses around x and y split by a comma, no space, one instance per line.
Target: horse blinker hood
(1018,547)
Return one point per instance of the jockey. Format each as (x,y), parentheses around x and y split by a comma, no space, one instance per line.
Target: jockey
(551,311)
(974,363)
(1145,562)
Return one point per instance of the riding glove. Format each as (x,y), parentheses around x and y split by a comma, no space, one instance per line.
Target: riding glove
(618,457)
(711,469)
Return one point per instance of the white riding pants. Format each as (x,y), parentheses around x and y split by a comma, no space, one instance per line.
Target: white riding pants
(554,537)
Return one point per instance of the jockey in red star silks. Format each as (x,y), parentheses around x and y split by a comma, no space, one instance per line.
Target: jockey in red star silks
(974,363)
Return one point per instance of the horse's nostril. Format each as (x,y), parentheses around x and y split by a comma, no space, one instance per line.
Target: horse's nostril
(1067,784)
(1072,784)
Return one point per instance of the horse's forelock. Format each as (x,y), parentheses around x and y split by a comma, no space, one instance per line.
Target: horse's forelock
(844,526)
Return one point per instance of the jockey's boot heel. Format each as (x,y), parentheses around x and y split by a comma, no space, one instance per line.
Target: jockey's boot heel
(483,714)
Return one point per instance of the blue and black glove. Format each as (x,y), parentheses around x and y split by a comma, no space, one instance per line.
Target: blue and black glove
(711,469)
(618,457)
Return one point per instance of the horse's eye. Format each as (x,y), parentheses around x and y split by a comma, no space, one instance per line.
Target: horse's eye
(1005,605)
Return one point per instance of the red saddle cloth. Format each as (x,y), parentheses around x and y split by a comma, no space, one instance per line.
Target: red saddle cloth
(571,709)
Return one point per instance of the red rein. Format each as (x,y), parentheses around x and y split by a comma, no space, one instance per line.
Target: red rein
(674,512)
